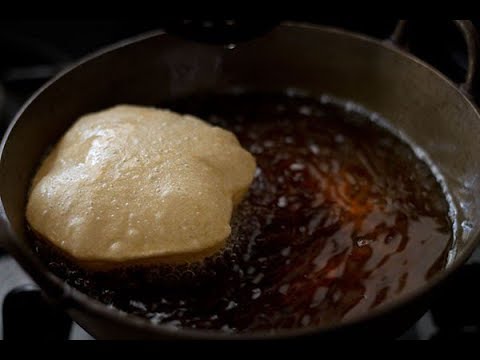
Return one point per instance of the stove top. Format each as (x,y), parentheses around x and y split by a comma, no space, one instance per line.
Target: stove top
(36,50)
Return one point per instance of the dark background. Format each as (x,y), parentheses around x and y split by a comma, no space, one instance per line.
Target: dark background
(33,50)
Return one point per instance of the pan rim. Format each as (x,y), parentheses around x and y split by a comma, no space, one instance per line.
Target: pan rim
(78,301)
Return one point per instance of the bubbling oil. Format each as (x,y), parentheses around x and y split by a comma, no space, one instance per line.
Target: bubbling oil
(341,218)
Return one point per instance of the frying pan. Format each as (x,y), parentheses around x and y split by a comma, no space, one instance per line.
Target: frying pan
(432,111)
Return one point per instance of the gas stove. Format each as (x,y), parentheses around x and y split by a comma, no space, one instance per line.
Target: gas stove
(34,51)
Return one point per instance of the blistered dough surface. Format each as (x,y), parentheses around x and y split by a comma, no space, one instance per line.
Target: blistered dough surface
(133,183)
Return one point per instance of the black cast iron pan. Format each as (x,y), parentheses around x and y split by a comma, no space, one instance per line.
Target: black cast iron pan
(435,113)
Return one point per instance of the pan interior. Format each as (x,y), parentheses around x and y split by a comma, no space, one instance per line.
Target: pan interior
(342,218)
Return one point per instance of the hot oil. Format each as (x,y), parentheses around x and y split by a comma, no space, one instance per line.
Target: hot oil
(341,218)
